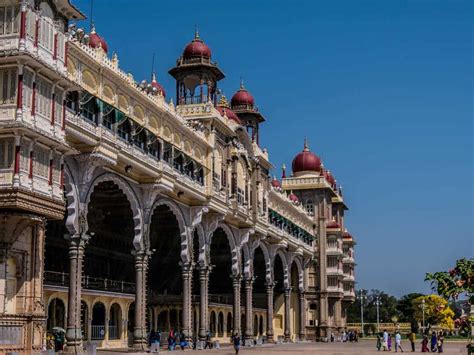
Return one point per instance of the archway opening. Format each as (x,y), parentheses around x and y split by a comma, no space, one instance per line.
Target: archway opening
(278,296)
(294,300)
(98,321)
(115,320)
(56,314)
(259,286)
(165,280)
(220,283)
(109,264)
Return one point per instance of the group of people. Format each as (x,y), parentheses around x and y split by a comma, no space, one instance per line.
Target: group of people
(436,342)
(175,338)
(385,341)
(347,336)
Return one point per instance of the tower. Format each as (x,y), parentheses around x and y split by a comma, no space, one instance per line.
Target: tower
(196,74)
(243,104)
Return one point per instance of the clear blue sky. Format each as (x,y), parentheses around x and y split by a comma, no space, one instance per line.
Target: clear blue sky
(381,89)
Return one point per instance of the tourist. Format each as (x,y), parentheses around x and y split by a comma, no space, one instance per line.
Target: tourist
(356,336)
(236,342)
(385,340)
(412,339)
(440,341)
(424,344)
(208,341)
(379,342)
(171,340)
(182,341)
(389,342)
(398,342)
(434,342)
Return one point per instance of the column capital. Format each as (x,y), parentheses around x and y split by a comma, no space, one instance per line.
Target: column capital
(236,278)
(270,285)
(288,290)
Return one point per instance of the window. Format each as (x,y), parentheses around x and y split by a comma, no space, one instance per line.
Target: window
(89,107)
(332,241)
(58,109)
(44,96)
(332,261)
(309,206)
(25,155)
(27,88)
(41,164)
(56,168)
(46,34)
(9,19)
(6,153)
(8,86)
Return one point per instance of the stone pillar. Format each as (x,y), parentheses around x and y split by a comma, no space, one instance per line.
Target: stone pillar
(236,283)
(270,287)
(248,284)
(77,243)
(338,314)
(203,301)
(287,332)
(302,311)
(187,272)
(141,267)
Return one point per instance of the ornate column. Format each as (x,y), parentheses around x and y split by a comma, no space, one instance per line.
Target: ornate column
(302,310)
(77,243)
(236,281)
(203,302)
(248,284)
(338,313)
(270,287)
(287,332)
(141,267)
(186,272)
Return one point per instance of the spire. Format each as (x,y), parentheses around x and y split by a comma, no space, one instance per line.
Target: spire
(153,77)
(283,171)
(305,146)
(223,101)
(196,33)
(92,27)
(242,87)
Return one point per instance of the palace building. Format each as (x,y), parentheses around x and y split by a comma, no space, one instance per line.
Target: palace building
(123,211)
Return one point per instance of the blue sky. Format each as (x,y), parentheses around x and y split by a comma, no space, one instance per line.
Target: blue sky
(381,89)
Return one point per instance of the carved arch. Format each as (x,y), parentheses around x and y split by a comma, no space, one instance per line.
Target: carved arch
(132,198)
(234,249)
(72,203)
(284,261)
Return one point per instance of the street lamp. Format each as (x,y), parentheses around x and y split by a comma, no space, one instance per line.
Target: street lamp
(377,303)
(423,311)
(362,297)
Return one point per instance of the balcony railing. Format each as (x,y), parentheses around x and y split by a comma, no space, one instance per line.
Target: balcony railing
(91,283)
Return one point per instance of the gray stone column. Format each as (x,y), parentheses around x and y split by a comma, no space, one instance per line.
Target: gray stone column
(186,272)
(287,332)
(141,268)
(77,243)
(203,301)
(302,311)
(270,287)
(248,284)
(236,284)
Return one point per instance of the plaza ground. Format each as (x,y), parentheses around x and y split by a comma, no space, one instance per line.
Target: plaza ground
(362,347)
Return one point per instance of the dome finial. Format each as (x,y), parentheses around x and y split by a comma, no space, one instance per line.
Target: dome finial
(92,27)
(196,32)
(305,146)
(153,77)
(283,171)
(242,87)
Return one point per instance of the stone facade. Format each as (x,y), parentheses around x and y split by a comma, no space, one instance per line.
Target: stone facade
(122,213)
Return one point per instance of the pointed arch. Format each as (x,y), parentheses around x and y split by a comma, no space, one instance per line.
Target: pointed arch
(132,198)
(72,202)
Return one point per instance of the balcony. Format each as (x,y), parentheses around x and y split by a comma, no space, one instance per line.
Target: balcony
(334,271)
(348,259)
(42,38)
(333,250)
(349,278)
(54,278)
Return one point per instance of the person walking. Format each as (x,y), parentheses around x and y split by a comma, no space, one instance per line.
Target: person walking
(389,342)
(398,342)
(434,342)
(385,340)
(412,338)
(236,342)
(424,344)
(440,341)
(379,342)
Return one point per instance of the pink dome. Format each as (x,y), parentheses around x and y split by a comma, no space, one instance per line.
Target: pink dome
(229,113)
(197,48)
(157,86)
(96,41)
(333,224)
(293,197)
(276,183)
(242,99)
(306,161)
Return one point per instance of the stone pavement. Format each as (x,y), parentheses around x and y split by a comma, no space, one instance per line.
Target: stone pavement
(363,347)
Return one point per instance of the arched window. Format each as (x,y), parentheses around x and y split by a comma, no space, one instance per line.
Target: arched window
(115,320)
(98,321)
(220,324)
(229,323)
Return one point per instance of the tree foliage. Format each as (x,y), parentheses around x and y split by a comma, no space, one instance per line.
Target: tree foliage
(436,311)
(456,282)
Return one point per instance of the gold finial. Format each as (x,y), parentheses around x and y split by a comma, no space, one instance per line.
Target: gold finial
(223,102)
(283,171)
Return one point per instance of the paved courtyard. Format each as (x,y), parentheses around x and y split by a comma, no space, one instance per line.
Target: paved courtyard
(363,347)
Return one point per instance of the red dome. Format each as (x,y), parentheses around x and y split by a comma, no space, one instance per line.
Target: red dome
(306,161)
(229,113)
(197,48)
(333,224)
(158,87)
(242,99)
(347,235)
(96,41)
(276,183)
(293,197)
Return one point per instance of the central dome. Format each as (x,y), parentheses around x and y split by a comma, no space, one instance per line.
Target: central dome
(197,48)
(306,161)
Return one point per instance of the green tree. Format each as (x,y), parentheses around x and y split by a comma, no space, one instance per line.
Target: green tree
(405,307)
